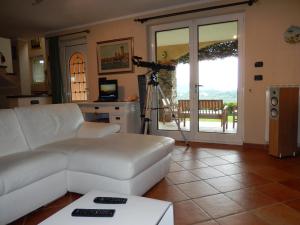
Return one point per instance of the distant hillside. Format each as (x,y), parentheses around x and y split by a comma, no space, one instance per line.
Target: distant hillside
(227,96)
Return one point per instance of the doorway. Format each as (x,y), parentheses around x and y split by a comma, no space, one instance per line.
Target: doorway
(74,61)
(206,86)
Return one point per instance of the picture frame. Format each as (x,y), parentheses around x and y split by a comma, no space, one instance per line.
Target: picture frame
(114,56)
(35,43)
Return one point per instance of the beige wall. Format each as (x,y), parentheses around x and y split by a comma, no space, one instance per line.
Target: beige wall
(116,30)
(265,24)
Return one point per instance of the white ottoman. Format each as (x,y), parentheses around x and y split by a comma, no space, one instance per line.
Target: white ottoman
(122,163)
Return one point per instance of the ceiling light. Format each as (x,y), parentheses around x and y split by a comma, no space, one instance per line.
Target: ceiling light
(234,36)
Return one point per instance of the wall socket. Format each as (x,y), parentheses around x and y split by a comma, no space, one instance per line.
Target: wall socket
(259,64)
(258,77)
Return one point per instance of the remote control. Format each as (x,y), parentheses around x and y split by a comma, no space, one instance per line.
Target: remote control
(93,212)
(110,200)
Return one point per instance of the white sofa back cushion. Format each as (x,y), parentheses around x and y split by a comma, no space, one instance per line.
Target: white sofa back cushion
(45,124)
(11,137)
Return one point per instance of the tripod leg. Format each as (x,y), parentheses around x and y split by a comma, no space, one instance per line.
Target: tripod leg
(169,106)
(147,110)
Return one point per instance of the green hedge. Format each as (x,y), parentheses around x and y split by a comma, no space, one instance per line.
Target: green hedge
(230,106)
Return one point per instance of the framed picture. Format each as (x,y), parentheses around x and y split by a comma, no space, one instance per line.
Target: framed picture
(35,43)
(114,56)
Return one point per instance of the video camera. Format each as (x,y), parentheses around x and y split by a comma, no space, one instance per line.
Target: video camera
(152,65)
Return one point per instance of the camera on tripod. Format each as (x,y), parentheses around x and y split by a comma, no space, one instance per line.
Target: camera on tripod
(136,60)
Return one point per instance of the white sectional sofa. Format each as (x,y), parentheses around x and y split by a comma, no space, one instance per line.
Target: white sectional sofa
(48,150)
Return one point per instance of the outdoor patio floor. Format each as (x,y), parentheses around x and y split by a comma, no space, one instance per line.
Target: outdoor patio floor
(204,126)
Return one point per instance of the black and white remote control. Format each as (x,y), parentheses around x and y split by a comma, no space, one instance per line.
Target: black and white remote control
(93,212)
(110,200)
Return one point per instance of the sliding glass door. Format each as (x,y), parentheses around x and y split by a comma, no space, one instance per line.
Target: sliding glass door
(206,87)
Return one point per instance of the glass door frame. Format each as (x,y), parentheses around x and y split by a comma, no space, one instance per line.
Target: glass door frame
(193,134)
(65,44)
(152,56)
(225,138)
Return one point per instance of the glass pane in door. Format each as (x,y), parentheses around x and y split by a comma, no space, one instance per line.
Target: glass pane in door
(172,47)
(78,77)
(218,77)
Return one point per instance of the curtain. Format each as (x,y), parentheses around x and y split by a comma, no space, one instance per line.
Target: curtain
(56,75)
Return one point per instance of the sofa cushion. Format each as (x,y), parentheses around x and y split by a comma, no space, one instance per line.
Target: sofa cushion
(97,130)
(44,124)
(66,147)
(21,169)
(11,137)
(119,156)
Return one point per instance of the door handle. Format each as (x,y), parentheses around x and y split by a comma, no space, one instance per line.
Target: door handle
(197,87)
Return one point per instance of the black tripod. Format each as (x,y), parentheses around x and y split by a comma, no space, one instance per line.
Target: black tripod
(153,87)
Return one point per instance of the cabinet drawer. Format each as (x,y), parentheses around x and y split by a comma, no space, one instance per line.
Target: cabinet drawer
(87,109)
(117,110)
(116,119)
(108,109)
(20,102)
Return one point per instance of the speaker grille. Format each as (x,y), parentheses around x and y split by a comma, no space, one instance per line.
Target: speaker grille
(274,103)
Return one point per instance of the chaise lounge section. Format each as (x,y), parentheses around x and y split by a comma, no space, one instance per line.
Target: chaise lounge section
(48,150)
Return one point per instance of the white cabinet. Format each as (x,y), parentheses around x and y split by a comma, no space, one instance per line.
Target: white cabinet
(27,100)
(126,114)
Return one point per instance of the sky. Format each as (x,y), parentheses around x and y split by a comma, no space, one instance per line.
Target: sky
(219,74)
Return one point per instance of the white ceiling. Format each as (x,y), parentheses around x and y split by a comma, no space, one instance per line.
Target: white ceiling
(21,18)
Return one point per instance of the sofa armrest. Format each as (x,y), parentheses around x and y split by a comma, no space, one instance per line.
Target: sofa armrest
(97,130)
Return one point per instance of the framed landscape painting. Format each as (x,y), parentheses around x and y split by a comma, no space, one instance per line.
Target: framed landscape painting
(114,56)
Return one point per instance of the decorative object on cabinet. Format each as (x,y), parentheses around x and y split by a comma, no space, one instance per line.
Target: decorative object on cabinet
(292,35)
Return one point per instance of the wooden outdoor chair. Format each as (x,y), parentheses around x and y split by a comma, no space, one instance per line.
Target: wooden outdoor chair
(184,110)
(208,109)
(234,115)
(214,109)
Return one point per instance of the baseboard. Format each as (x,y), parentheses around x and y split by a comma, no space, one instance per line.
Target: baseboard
(245,146)
(209,145)
(252,146)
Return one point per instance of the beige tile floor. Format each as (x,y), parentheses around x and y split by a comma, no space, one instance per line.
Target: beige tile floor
(210,186)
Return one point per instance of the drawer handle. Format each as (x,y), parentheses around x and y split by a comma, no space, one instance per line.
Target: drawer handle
(96,107)
(34,102)
(118,118)
(117,108)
